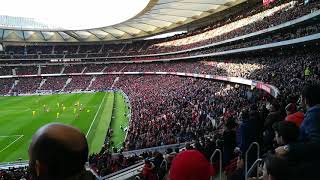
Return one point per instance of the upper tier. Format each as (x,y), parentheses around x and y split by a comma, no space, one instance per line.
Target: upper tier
(262,26)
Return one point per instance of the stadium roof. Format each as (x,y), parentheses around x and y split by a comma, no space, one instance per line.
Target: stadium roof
(158,16)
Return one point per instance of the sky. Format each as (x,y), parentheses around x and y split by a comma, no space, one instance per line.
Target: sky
(74,14)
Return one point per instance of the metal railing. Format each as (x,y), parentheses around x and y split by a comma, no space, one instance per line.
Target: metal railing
(160,149)
(130,171)
(254,165)
(246,156)
(164,164)
(220,162)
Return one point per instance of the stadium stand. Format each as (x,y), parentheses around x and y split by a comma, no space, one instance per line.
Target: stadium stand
(4,70)
(54,83)
(51,69)
(78,83)
(256,20)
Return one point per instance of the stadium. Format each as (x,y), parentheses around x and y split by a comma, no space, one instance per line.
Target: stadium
(160,89)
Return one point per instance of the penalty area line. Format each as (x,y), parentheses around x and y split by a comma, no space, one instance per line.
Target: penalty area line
(95,116)
(20,136)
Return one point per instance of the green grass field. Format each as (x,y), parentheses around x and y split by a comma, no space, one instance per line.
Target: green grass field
(119,118)
(99,110)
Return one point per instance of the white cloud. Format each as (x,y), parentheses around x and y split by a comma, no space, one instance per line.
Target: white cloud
(74,14)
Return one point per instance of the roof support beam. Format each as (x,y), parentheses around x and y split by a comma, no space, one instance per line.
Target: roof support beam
(179,9)
(152,18)
(137,28)
(141,22)
(169,14)
(24,38)
(94,35)
(74,35)
(138,21)
(43,36)
(168,2)
(123,31)
(109,33)
(61,36)
(190,2)
(2,35)
(197,2)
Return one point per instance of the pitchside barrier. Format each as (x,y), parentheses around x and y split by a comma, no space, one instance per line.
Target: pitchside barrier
(8,165)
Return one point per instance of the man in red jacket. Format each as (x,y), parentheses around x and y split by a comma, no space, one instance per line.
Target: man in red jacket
(293,115)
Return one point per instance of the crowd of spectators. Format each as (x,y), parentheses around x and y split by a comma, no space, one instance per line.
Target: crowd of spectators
(26,70)
(27,85)
(178,101)
(94,68)
(245,67)
(54,83)
(6,85)
(78,83)
(103,82)
(20,173)
(53,69)
(74,68)
(4,70)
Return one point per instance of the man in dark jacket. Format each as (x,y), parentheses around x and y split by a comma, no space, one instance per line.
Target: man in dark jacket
(247,132)
(306,151)
(273,117)
(229,141)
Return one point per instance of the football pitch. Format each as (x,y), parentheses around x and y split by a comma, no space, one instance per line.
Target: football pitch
(92,113)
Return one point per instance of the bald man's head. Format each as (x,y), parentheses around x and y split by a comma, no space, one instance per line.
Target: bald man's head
(57,151)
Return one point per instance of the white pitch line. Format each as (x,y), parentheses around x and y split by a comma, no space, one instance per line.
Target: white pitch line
(11,143)
(9,136)
(96,114)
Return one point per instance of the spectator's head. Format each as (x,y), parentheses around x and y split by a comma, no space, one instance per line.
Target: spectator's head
(188,146)
(311,95)
(169,150)
(244,115)
(275,106)
(231,123)
(253,107)
(275,168)
(190,164)
(285,132)
(291,108)
(147,161)
(57,151)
